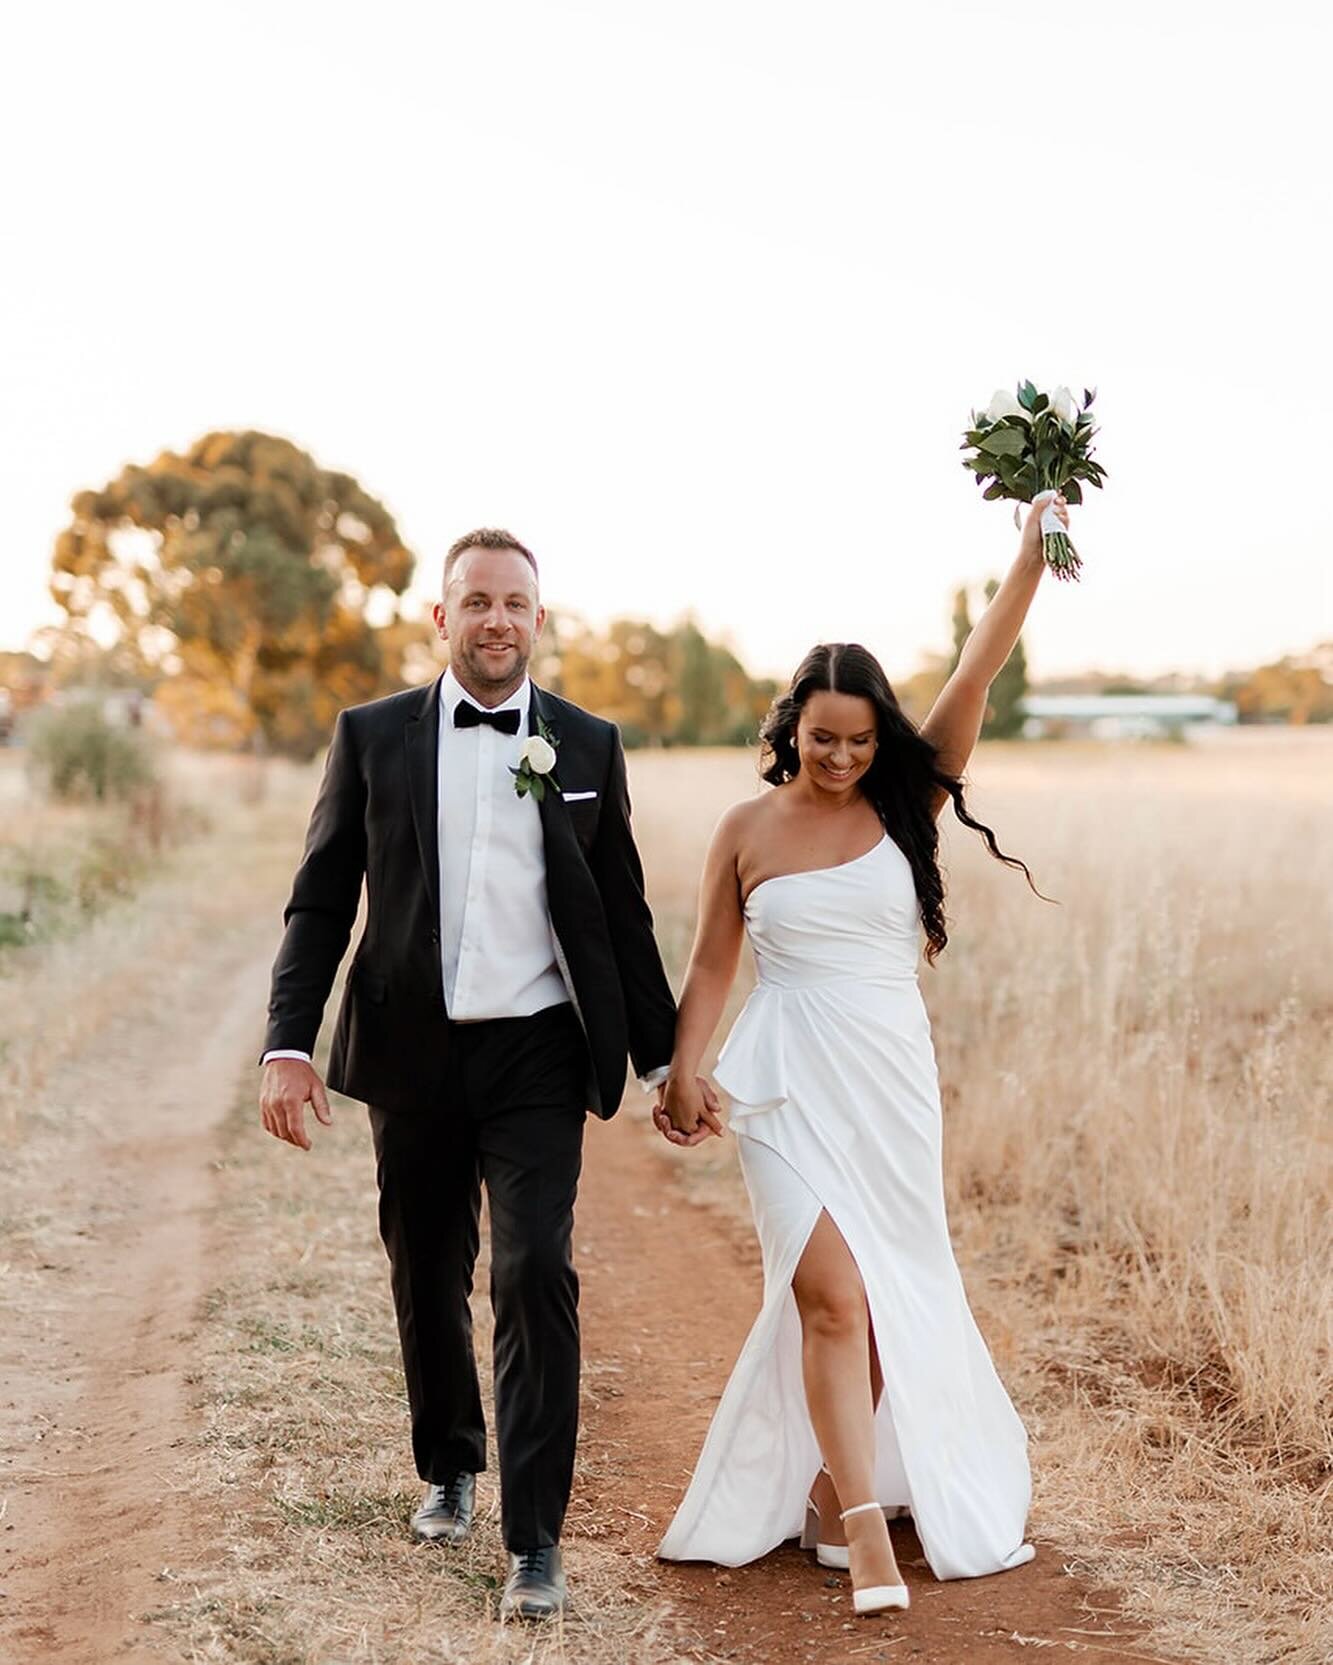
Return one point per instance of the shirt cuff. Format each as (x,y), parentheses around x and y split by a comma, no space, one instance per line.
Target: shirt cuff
(654,1078)
(303,1056)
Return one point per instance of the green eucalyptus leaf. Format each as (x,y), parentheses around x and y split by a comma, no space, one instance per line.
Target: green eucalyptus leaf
(994,492)
(1005,442)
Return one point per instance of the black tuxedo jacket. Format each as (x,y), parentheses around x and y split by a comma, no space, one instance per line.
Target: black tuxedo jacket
(375,819)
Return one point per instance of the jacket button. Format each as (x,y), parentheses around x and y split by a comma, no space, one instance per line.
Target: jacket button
(434,935)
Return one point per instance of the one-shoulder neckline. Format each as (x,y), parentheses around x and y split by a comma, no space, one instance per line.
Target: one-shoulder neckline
(811,872)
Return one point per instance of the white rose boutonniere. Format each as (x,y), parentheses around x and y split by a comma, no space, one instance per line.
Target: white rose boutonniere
(536,765)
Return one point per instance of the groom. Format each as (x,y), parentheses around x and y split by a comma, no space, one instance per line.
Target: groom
(506,967)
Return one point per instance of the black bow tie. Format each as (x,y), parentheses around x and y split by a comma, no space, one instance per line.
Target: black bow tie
(467,715)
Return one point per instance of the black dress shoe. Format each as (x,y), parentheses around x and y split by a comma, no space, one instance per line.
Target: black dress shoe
(535,1588)
(445,1515)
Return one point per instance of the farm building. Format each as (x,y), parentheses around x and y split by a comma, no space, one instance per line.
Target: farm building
(1122,716)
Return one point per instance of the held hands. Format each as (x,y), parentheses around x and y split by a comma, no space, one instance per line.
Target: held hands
(289,1084)
(1030,545)
(687,1113)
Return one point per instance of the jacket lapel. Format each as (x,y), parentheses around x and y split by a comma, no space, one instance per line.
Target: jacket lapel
(421,740)
(558,839)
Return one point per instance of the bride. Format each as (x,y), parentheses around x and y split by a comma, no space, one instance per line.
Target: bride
(864,1385)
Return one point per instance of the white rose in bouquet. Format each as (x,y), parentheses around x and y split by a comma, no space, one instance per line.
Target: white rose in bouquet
(1003,404)
(1062,403)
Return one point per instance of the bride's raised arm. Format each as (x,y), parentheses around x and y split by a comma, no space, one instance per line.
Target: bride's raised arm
(955,718)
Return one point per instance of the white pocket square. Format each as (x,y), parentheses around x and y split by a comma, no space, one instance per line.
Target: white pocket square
(574,797)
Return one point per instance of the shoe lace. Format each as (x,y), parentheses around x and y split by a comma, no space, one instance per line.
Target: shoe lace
(451,1493)
(531,1561)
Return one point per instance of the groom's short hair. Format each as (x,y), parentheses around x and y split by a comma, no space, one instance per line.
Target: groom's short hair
(486,537)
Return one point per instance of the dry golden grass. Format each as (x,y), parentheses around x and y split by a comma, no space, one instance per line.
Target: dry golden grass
(1137,1092)
(1137,1097)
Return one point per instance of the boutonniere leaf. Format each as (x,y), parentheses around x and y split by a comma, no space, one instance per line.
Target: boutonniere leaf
(536,765)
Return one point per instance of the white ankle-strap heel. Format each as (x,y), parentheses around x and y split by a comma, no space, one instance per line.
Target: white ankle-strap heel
(826,1555)
(877,1598)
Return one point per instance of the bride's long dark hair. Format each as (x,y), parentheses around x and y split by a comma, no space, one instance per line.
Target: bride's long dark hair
(902,779)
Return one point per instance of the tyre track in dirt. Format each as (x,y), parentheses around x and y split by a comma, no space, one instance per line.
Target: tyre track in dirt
(97,1455)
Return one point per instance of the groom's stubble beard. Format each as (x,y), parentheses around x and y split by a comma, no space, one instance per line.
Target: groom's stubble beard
(491,683)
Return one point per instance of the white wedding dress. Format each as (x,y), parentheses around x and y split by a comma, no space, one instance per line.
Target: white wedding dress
(836,1106)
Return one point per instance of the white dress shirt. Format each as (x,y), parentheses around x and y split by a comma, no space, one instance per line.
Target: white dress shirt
(497,949)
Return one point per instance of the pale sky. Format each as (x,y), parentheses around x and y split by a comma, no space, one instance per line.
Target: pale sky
(696,298)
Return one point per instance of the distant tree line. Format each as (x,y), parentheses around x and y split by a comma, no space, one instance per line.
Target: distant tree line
(670,687)
(254,594)
(1295,689)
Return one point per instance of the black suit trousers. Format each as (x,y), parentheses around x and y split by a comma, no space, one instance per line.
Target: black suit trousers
(511,1120)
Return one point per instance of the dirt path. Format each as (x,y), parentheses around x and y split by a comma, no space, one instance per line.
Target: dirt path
(100,1445)
(659,1347)
(96,1449)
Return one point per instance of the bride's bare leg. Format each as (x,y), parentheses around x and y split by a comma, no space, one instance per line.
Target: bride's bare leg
(822,1492)
(835,1358)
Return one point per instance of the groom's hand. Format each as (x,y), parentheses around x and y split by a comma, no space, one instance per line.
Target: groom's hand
(288,1085)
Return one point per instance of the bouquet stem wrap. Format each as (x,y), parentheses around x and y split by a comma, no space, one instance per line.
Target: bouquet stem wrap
(1061,556)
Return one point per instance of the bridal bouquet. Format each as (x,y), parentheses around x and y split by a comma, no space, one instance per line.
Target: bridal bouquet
(1032,446)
